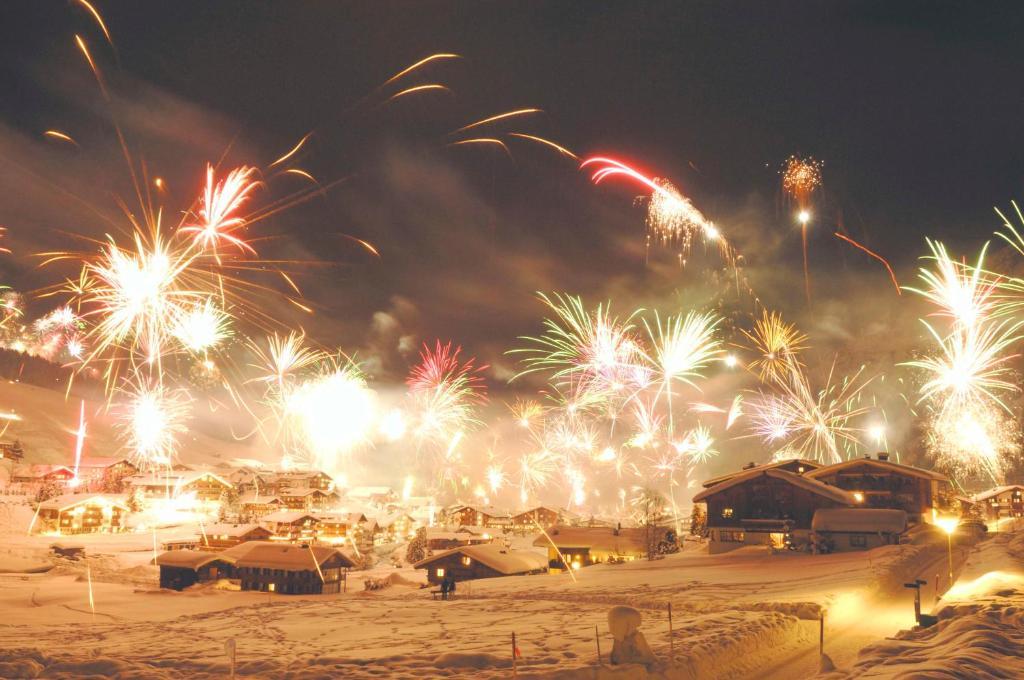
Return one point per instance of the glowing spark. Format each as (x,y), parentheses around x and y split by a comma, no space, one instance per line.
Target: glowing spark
(98,18)
(202,327)
(418,88)
(494,119)
(547,142)
(294,150)
(220,202)
(888,267)
(55,134)
(418,64)
(776,343)
(151,420)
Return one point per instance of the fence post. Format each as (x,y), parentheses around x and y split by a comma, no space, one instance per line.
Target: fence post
(515,672)
(821,635)
(671,636)
(597,638)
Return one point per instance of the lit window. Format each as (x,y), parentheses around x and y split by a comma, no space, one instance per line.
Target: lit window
(271,587)
(466,561)
(440,573)
(858,496)
(727,512)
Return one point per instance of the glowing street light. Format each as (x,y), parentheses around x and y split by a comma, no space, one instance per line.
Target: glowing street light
(803,217)
(948,524)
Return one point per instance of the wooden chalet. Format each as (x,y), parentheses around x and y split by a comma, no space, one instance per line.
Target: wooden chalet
(795,465)
(376,496)
(480,516)
(60,475)
(221,536)
(94,470)
(11,451)
(81,514)
(881,483)
(397,526)
(488,560)
(208,487)
(258,505)
(844,529)
(289,569)
(767,506)
(446,540)
(540,516)
(287,482)
(251,481)
(291,525)
(338,527)
(1001,502)
(310,500)
(583,546)
(180,569)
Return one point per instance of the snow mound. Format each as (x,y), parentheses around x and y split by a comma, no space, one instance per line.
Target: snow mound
(478,661)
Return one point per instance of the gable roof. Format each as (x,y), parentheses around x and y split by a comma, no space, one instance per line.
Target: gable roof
(996,491)
(191,559)
(886,465)
(803,481)
(283,555)
(488,510)
(175,479)
(70,500)
(287,516)
(809,466)
(496,557)
(623,541)
(233,530)
(257,498)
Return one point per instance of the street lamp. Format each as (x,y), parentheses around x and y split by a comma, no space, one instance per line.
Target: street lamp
(948,524)
(803,217)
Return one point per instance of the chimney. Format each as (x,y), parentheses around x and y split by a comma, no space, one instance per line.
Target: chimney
(883,455)
(749,466)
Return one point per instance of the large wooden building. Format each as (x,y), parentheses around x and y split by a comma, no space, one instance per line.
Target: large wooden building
(289,569)
(1001,502)
(480,516)
(540,516)
(292,525)
(221,536)
(881,483)
(766,506)
(795,465)
(81,514)
(487,560)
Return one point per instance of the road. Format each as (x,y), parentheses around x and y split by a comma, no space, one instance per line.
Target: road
(854,624)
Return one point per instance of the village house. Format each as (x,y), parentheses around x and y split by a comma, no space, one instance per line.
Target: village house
(398,526)
(480,516)
(578,547)
(488,560)
(339,528)
(795,465)
(221,536)
(291,525)
(96,472)
(310,500)
(291,481)
(81,514)
(540,516)
(11,451)
(40,475)
(881,483)
(289,569)
(208,487)
(767,506)
(1001,502)
(255,506)
(251,481)
(371,496)
(180,569)
(439,539)
(843,529)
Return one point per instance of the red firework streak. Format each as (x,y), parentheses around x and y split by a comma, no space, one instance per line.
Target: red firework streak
(892,274)
(441,366)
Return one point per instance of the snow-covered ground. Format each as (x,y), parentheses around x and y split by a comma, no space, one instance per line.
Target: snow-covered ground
(980,633)
(734,615)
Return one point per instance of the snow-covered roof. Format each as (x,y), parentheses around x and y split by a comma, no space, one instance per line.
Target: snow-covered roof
(257,498)
(70,500)
(349,518)
(287,556)
(498,558)
(367,491)
(996,491)
(488,510)
(886,465)
(623,541)
(175,479)
(537,508)
(803,481)
(808,465)
(232,530)
(191,559)
(40,470)
(101,462)
(860,520)
(286,516)
(304,492)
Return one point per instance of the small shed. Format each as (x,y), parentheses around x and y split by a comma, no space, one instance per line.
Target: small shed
(487,560)
(584,546)
(180,569)
(843,529)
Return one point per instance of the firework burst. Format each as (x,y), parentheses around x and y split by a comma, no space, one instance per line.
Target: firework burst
(776,345)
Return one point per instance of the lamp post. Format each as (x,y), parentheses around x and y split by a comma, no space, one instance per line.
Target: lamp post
(948,524)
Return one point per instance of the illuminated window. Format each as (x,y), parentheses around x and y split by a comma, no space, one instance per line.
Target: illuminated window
(271,587)
(800,469)
(466,561)
(726,512)
(440,573)
(858,496)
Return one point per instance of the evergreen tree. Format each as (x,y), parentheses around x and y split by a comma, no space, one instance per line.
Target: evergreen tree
(417,549)
(698,522)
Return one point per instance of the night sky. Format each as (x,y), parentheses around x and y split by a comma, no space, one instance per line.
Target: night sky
(914,107)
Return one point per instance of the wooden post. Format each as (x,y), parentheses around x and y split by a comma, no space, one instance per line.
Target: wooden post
(515,673)
(821,635)
(229,649)
(936,589)
(671,637)
(597,638)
